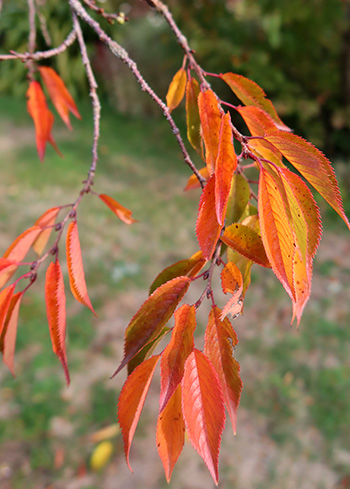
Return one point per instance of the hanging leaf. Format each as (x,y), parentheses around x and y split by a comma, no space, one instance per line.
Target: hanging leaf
(250,93)
(225,166)
(238,198)
(175,354)
(192,116)
(232,283)
(207,227)
(190,267)
(46,222)
(210,116)
(170,434)
(61,98)
(42,117)
(257,120)
(244,265)
(123,213)
(247,242)
(313,165)
(176,89)
(75,267)
(132,399)
(150,319)
(9,332)
(17,251)
(5,300)
(193,181)
(203,409)
(219,346)
(265,150)
(56,312)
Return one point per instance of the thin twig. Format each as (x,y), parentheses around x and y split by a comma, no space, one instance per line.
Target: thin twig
(181,39)
(43,25)
(32,29)
(109,17)
(123,55)
(96,106)
(38,55)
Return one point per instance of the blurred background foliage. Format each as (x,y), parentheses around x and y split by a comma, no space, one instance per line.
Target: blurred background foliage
(298,51)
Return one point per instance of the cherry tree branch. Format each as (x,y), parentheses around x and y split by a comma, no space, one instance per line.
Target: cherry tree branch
(123,55)
(38,55)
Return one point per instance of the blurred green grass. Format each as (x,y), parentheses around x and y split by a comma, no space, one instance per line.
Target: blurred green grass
(140,166)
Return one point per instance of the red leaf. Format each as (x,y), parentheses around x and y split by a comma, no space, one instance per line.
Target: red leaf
(170,435)
(46,222)
(61,98)
(313,165)
(190,267)
(123,213)
(154,313)
(176,89)
(17,251)
(193,181)
(232,282)
(132,399)
(250,93)
(203,409)
(9,332)
(5,299)
(75,267)
(225,166)
(192,116)
(210,116)
(207,227)
(258,121)
(220,343)
(42,117)
(56,312)
(247,242)
(175,354)
(147,350)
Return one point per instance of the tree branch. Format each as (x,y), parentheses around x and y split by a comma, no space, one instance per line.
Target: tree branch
(123,55)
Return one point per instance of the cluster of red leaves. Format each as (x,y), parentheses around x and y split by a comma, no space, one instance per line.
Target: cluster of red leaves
(282,233)
(41,114)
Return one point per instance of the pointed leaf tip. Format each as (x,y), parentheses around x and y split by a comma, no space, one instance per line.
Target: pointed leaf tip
(123,213)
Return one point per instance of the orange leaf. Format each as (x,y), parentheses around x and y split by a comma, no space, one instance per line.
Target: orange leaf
(263,149)
(247,242)
(192,115)
(75,267)
(46,221)
(238,198)
(154,313)
(5,299)
(42,117)
(258,121)
(232,282)
(176,89)
(210,116)
(250,93)
(56,312)
(220,343)
(132,399)
(193,181)
(61,98)
(147,350)
(244,265)
(123,213)
(190,267)
(170,435)
(225,166)
(313,165)
(175,354)
(203,409)
(9,332)
(17,251)
(207,227)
